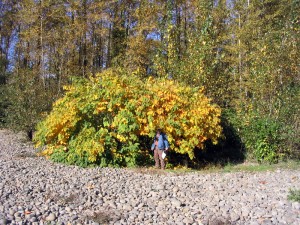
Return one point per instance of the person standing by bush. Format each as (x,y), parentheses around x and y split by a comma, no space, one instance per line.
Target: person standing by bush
(159,145)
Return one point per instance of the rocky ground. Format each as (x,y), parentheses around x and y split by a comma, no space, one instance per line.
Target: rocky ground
(34,190)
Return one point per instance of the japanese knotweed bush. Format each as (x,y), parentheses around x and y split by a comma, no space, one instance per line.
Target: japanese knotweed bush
(102,120)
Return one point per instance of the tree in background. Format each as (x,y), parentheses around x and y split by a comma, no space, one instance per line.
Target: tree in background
(266,78)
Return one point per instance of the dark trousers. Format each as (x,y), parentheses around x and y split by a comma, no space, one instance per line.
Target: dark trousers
(158,158)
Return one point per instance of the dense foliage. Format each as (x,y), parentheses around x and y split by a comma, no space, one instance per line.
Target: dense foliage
(27,100)
(244,53)
(103,119)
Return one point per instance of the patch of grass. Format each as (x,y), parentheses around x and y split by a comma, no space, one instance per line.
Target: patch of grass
(256,167)
(149,170)
(63,200)
(103,217)
(219,221)
(220,168)
(158,172)
(100,217)
(71,198)
(246,167)
(26,155)
(294,195)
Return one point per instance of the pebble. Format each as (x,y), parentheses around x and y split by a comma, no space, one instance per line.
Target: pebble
(34,189)
(51,217)
(127,207)
(234,217)
(175,202)
(33,219)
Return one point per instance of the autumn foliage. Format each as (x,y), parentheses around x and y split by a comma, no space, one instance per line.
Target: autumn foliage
(102,120)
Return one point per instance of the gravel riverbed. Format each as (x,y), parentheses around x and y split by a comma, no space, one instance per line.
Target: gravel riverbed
(34,190)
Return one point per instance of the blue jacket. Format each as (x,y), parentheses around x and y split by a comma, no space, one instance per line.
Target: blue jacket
(162,142)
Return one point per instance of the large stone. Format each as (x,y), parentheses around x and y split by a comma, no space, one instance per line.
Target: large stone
(175,202)
(33,219)
(188,221)
(267,222)
(127,207)
(11,212)
(51,217)
(159,187)
(234,217)
(175,189)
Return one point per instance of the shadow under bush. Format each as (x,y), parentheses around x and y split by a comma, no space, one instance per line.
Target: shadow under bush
(230,149)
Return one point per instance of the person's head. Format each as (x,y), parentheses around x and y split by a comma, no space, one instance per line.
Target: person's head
(158,131)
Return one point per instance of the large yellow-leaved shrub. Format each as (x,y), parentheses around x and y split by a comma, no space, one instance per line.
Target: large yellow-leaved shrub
(102,120)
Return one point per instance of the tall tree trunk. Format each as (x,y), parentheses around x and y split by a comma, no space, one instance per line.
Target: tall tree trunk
(42,68)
